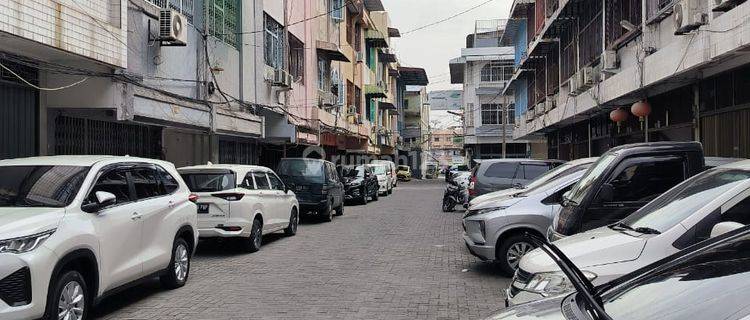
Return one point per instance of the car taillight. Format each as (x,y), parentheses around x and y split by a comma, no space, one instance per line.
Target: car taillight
(229,196)
(472,184)
(193,198)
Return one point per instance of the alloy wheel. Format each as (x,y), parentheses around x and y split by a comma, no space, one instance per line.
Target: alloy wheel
(72,302)
(258,236)
(295,222)
(181,262)
(516,252)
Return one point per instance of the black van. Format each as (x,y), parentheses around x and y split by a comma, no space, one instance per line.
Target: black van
(316,183)
(624,179)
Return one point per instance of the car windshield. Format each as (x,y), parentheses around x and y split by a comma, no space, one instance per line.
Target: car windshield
(549,179)
(709,285)
(302,169)
(379,169)
(462,167)
(680,202)
(354,172)
(403,168)
(209,182)
(40,186)
(579,190)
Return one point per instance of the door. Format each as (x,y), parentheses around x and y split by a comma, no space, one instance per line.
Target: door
(633,184)
(212,211)
(283,203)
(119,227)
(497,176)
(18,120)
(268,201)
(156,205)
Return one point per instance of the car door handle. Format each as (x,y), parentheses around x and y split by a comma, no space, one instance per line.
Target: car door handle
(136,216)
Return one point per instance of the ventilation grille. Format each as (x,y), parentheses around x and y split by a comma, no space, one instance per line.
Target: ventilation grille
(15,289)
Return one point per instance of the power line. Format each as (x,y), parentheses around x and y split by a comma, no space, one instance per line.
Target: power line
(41,88)
(446,19)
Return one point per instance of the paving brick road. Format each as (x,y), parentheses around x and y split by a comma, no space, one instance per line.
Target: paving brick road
(398,258)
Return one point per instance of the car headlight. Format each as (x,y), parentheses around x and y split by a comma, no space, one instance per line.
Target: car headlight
(24,244)
(553,283)
(483,211)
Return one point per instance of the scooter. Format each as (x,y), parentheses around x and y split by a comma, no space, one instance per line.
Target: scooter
(456,192)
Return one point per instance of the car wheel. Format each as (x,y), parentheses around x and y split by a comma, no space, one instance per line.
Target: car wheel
(448,205)
(178,270)
(365,194)
(291,229)
(375,195)
(254,242)
(510,252)
(70,298)
(327,213)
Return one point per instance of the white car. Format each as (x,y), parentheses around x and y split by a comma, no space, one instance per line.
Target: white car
(385,180)
(74,229)
(392,171)
(238,201)
(710,203)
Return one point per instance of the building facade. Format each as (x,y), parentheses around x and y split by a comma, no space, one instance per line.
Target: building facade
(577,61)
(447,147)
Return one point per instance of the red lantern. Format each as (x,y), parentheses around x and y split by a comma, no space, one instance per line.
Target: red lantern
(618,115)
(641,109)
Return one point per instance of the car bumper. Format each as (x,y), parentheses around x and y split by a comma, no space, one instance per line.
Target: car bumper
(40,264)
(353,193)
(483,252)
(383,187)
(520,297)
(307,206)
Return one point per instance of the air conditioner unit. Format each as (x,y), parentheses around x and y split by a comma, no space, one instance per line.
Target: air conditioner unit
(282,78)
(610,60)
(360,57)
(688,16)
(381,84)
(172,27)
(539,109)
(352,110)
(269,74)
(722,5)
(529,115)
(589,77)
(574,85)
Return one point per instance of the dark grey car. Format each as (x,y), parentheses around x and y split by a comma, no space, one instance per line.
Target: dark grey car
(494,175)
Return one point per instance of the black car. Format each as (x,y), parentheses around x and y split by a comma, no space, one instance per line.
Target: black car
(709,280)
(455,169)
(316,183)
(360,184)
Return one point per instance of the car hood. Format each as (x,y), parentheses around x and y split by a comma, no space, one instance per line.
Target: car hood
(547,309)
(593,248)
(18,222)
(353,181)
(504,202)
(496,196)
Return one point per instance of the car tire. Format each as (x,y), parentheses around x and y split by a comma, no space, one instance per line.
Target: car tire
(340,210)
(365,194)
(255,241)
(510,251)
(178,270)
(291,229)
(375,195)
(327,214)
(448,205)
(67,288)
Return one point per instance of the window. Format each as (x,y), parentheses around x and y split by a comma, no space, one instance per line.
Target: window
(644,181)
(437,139)
(42,186)
(336,10)
(169,183)
(350,31)
(146,182)
(261,182)
(511,114)
(740,213)
(358,37)
(223,20)
(297,59)
(501,170)
(209,182)
(469,115)
(274,43)
(276,183)
(497,71)
(248,182)
(115,182)
(324,74)
(491,114)
(531,171)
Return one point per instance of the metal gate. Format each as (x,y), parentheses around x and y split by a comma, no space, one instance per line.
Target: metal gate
(238,152)
(76,136)
(18,121)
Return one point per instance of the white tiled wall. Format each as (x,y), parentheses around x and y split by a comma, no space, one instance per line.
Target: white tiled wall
(92,28)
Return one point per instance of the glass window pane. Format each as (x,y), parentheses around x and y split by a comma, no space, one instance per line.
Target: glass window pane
(501,170)
(146,182)
(261,181)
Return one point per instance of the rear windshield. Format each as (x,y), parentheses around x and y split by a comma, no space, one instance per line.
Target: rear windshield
(354,172)
(209,182)
(379,169)
(302,169)
(403,168)
(40,186)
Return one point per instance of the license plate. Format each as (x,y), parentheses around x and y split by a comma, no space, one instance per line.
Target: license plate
(202,208)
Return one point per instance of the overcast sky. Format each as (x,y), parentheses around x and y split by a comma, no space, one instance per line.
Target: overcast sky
(432,48)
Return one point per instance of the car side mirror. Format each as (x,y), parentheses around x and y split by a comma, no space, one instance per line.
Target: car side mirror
(103,200)
(606,193)
(725,227)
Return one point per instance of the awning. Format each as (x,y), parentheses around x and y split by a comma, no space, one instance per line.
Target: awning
(413,76)
(376,38)
(374,91)
(393,72)
(374,5)
(331,51)
(394,33)
(388,58)
(387,105)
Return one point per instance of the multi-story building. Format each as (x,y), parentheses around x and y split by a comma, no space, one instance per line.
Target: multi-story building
(663,69)
(484,69)
(447,147)
(415,121)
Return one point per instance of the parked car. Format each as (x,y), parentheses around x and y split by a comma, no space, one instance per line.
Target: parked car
(361,183)
(243,202)
(384,180)
(704,281)
(683,216)
(455,169)
(562,170)
(392,171)
(74,229)
(494,230)
(431,171)
(500,174)
(404,173)
(623,180)
(317,185)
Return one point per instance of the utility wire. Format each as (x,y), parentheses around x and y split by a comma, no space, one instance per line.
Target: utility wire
(38,87)
(446,19)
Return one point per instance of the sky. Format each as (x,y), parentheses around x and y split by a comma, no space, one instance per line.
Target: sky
(432,48)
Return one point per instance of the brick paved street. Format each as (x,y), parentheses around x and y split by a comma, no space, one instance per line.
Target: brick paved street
(398,258)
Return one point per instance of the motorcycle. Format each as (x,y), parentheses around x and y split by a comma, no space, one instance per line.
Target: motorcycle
(456,192)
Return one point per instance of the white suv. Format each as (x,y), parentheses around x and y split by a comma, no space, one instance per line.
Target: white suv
(73,229)
(385,179)
(237,201)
